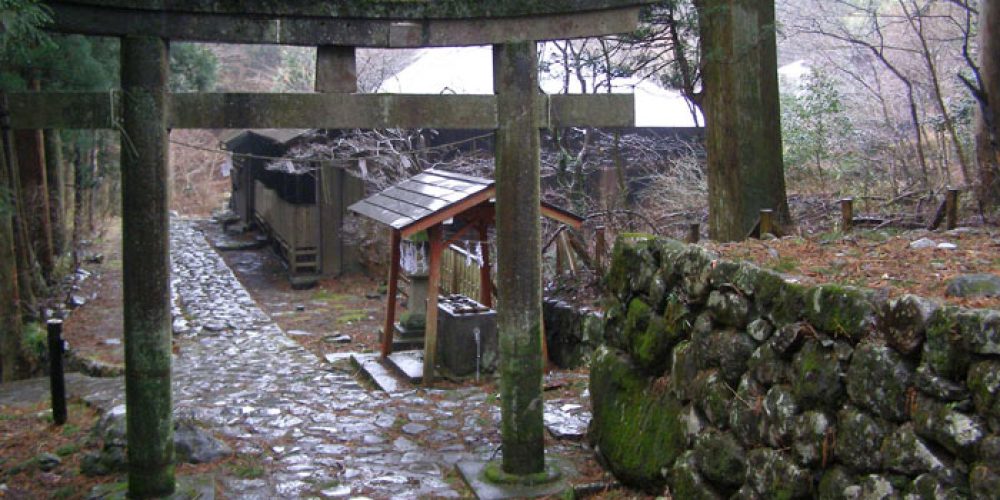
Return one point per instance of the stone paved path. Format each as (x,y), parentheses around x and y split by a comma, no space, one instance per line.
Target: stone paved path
(315,429)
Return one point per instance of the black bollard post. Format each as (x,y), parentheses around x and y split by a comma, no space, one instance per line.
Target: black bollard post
(58,382)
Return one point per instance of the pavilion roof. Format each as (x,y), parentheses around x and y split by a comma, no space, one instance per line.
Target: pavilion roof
(434,196)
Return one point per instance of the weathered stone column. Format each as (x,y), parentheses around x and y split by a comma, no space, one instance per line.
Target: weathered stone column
(146,267)
(336,72)
(519,313)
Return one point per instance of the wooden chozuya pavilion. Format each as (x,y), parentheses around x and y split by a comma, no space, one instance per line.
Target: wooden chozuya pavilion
(144,111)
(428,201)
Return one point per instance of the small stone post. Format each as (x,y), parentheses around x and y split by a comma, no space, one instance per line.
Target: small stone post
(146,267)
(519,316)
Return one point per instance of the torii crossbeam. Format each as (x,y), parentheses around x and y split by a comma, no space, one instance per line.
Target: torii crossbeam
(145,112)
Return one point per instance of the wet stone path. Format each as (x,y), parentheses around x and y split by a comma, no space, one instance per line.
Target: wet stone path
(312,428)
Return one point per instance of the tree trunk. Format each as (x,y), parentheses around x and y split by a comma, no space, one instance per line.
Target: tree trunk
(146,267)
(519,314)
(988,128)
(55,172)
(35,193)
(10,307)
(743,136)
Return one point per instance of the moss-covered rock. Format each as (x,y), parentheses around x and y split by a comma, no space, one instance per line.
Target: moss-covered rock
(774,475)
(818,376)
(984,481)
(944,352)
(788,302)
(686,482)
(746,415)
(730,350)
(984,383)
(859,439)
(833,483)
(729,308)
(904,452)
(760,329)
(713,397)
(636,428)
(651,348)
(695,268)
(873,487)
(721,459)
(982,332)
(931,486)
(683,370)
(780,408)
(938,387)
(880,380)
(812,439)
(904,321)
(840,310)
(625,264)
(613,323)
(789,338)
(768,367)
(940,423)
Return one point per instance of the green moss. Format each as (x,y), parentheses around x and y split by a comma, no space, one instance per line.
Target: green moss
(636,425)
(817,382)
(943,350)
(840,311)
(650,348)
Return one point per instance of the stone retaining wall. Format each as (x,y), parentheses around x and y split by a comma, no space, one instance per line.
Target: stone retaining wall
(572,334)
(719,378)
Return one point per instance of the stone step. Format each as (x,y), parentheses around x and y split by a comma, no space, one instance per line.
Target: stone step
(371,365)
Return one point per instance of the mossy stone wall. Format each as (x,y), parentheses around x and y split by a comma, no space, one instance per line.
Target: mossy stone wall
(719,379)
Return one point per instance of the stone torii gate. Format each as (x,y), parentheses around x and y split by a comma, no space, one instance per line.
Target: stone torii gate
(145,112)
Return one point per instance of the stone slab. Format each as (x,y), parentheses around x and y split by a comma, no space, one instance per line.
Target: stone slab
(371,365)
(472,473)
(409,364)
(36,390)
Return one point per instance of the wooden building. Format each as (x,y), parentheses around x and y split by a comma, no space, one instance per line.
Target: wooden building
(300,207)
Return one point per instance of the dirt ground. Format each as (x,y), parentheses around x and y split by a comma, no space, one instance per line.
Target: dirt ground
(881,260)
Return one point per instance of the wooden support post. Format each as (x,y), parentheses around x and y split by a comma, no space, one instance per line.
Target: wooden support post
(389,330)
(766,221)
(519,315)
(569,255)
(951,208)
(846,214)
(560,256)
(433,289)
(694,232)
(146,267)
(485,292)
(600,247)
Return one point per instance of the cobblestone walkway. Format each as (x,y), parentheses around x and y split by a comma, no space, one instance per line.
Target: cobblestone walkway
(315,430)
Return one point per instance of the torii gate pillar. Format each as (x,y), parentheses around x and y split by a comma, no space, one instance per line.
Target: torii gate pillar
(146,266)
(519,315)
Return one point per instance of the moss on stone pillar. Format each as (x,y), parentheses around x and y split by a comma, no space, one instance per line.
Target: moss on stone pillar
(146,267)
(519,316)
